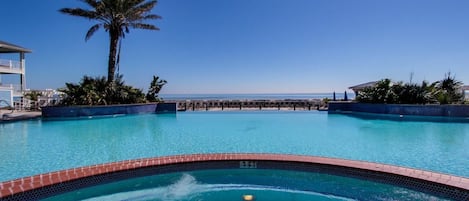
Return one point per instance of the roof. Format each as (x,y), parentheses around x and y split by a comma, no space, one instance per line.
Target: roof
(364,85)
(11,48)
(465,87)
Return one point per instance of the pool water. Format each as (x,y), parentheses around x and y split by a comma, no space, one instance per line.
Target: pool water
(265,185)
(34,147)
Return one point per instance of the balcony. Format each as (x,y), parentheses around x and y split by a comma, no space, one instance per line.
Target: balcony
(16,89)
(10,67)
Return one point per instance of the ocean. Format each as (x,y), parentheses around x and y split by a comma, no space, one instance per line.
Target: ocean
(267,96)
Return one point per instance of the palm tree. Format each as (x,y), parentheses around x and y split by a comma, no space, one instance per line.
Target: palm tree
(116,17)
(448,90)
(155,87)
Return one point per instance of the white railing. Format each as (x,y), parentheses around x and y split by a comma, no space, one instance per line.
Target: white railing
(6,86)
(15,88)
(10,64)
(43,101)
(22,104)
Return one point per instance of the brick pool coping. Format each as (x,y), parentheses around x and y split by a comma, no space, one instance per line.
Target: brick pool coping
(9,189)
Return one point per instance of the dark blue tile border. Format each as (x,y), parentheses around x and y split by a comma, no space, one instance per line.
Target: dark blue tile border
(77,112)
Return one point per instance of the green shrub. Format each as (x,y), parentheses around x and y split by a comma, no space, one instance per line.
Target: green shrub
(380,93)
(446,91)
(97,91)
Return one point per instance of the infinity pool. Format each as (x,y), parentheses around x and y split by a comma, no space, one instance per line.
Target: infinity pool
(33,147)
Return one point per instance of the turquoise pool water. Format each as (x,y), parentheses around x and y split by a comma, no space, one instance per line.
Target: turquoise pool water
(227,185)
(33,147)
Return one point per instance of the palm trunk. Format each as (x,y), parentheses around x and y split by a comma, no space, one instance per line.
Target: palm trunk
(114,36)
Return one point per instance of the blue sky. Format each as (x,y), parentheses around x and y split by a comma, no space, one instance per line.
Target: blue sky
(251,46)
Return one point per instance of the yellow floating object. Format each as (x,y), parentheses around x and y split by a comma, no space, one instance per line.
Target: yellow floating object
(248,197)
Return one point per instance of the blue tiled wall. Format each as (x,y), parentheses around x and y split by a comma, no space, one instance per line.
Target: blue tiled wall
(86,111)
(401,109)
(166,108)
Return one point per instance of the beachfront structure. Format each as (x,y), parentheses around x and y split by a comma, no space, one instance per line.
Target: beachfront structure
(465,90)
(357,88)
(12,66)
(287,104)
(46,97)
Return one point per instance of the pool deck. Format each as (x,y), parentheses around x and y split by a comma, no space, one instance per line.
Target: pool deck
(9,189)
(8,116)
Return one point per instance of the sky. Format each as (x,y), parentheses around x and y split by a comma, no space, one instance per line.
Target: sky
(250,46)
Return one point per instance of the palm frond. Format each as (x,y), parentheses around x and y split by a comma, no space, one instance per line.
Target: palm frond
(144,26)
(132,3)
(151,17)
(79,12)
(145,7)
(138,11)
(91,31)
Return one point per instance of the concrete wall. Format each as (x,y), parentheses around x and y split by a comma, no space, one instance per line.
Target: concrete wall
(87,111)
(401,109)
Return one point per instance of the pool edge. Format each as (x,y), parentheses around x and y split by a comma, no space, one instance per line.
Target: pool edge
(455,185)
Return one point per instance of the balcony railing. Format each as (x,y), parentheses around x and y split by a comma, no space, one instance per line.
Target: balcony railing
(15,88)
(6,86)
(12,65)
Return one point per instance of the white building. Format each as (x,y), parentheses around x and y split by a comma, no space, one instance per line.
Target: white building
(361,87)
(14,66)
(47,97)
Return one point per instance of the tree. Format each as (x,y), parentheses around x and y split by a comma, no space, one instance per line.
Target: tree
(155,86)
(380,93)
(411,93)
(90,91)
(33,95)
(448,90)
(445,91)
(116,17)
